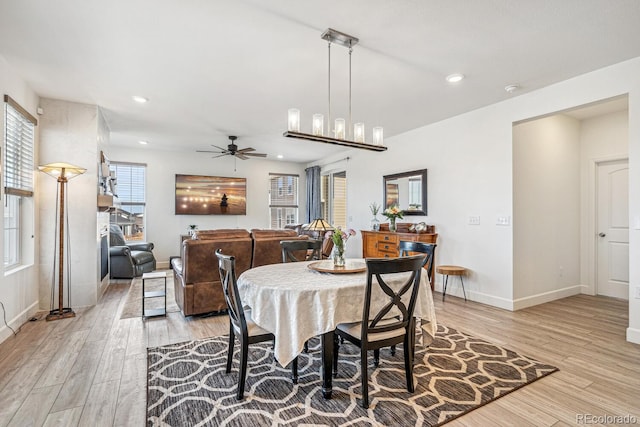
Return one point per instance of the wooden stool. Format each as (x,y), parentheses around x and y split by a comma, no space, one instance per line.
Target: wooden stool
(451,270)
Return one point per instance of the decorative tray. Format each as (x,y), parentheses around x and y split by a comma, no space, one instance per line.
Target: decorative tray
(350,266)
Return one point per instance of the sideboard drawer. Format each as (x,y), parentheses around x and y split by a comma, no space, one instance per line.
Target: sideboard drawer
(386,246)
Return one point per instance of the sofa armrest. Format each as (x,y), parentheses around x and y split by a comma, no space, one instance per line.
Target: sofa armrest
(120,251)
(141,246)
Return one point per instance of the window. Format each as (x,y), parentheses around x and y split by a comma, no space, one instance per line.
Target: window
(283,199)
(333,193)
(130,189)
(19,131)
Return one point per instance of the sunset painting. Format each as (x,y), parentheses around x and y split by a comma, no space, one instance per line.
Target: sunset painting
(210,195)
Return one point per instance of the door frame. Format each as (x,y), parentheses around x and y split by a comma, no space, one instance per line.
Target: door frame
(591,234)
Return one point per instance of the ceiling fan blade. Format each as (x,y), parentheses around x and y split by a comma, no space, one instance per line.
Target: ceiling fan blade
(241,156)
(255,154)
(244,150)
(220,155)
(219,148)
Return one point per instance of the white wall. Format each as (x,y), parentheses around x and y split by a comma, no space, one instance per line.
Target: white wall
(469,158)
(18,288)
(546,210)
(164,228)
(69,133)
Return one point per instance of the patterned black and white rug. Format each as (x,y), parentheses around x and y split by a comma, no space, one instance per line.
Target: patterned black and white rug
(187,385)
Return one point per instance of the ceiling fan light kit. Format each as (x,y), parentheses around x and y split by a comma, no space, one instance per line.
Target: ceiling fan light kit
(357,131)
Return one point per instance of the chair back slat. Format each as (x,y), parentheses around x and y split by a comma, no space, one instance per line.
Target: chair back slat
(378,268)
(227,269)
(301,250)
(405,248)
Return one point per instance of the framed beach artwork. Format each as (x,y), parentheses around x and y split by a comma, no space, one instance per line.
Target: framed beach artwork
(210,195)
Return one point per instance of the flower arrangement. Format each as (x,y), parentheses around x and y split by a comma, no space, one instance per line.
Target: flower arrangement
(393,212)
(339,238)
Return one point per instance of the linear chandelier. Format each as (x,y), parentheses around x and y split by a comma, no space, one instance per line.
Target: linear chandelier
(356,137)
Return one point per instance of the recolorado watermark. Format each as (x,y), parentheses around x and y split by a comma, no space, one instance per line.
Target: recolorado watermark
(606,419)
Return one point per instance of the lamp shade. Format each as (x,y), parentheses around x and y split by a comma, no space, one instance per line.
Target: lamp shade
(64,170)
(319,225)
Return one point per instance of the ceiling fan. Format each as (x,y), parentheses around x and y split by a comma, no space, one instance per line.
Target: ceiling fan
(232,150)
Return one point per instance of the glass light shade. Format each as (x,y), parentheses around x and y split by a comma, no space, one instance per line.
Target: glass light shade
(358,132)
(64,170)
(319,225)
(318,125)
(294,120)
(340,129)
(378,136)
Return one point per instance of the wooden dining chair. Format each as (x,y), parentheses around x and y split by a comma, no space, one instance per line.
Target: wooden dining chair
(240,323)
(386,327)
(301,250)
(428,249)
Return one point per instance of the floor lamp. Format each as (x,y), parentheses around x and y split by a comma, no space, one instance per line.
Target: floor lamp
(63,172)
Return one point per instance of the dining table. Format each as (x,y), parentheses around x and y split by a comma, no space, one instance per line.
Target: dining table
(300,300)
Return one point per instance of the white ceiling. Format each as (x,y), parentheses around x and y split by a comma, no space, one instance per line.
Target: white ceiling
(213,68)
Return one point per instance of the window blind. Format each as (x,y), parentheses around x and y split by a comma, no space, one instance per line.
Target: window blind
(130,182)
(19,136)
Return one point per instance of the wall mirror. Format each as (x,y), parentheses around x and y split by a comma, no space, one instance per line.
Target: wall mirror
(408,190)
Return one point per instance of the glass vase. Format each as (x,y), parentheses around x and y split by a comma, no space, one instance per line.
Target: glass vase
(375,224)
(338,256)
(392,225)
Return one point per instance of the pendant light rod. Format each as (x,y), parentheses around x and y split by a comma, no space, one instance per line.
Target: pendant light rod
(329,91)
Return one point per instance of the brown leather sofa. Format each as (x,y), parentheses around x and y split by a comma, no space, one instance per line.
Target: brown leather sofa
(196,279)
(266,245)
(197,283)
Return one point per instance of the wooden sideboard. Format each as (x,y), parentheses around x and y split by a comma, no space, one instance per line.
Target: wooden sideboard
(384,244)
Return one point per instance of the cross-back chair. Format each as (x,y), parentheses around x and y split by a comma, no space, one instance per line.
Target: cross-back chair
(241,325)
(301,250)
(392,324)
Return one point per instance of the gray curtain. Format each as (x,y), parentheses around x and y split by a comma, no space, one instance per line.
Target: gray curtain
(314,208)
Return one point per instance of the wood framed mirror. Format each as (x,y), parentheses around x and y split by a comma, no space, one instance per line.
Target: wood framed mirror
(408,190)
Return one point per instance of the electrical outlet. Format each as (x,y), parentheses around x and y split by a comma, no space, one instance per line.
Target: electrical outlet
(474,220)
(637,296)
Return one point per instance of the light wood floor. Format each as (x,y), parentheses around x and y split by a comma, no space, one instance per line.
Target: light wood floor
(91,370)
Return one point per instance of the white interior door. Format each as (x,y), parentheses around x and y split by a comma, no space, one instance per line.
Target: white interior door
(613,229)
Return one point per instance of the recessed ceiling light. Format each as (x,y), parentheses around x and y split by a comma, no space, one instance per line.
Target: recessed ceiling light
(280,156)
(511,88)
(143,142)
(455,78)
(140,99)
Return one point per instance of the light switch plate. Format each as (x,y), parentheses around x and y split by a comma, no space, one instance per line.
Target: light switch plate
(503,220)
(474,220)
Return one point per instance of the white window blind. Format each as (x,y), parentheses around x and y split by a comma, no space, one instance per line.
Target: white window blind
(130,182)
(18,159)
(283,199)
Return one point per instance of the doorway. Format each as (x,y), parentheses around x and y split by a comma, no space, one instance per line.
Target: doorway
(612,229)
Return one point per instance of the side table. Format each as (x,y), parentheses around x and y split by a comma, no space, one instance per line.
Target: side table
(451,270)
(153,312)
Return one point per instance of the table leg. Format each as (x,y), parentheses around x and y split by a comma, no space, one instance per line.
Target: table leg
(327,364)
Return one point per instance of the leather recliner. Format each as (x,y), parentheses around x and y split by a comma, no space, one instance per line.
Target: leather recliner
(127,261)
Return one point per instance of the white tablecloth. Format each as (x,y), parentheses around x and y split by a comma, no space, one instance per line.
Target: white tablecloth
(296,303)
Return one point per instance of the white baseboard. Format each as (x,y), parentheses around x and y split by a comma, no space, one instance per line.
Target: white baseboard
(530,301)
(17,321)
(512,305)
(162,265)
(456,291)
(633,335)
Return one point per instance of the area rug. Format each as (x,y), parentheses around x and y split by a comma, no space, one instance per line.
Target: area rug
(187,384)
(133,304)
